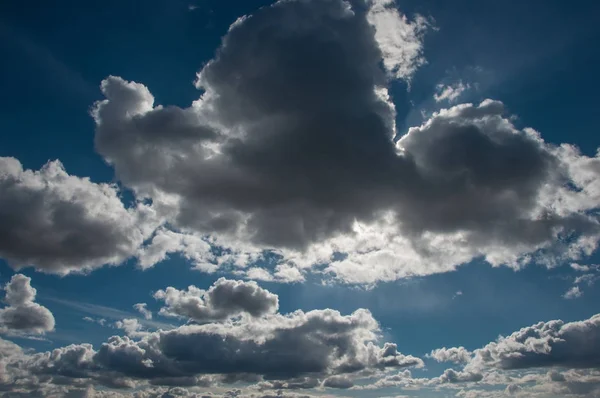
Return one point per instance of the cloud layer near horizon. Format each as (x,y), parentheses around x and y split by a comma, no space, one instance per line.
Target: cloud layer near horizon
(261,353)
(242,338)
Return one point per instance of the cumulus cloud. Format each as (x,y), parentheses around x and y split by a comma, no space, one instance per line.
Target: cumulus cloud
(22,315)
(453,376)
(99,321)
(131,326)
(545,344)
(291,351)
(341,382)
(9,351)
(286,160)
(60,223)
(225,299)
(453,354)
(277,347)
(290,153)
(307,350)
(283,273)
(266,181)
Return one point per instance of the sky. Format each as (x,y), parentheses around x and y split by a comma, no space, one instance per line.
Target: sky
(299,198)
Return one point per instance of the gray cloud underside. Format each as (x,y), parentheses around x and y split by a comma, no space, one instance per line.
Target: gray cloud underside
(286,353)
(252,345)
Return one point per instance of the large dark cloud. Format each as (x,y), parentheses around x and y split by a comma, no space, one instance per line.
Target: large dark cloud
(61,223)
(292,144)
(291,151)
(300,143)
(22,315)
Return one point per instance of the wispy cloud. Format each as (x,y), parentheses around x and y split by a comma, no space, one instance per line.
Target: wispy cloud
(108,312)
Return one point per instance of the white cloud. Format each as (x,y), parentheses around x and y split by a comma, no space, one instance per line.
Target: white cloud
(235,178)
(573,293)
(588,279)
(451,92)
(131,326)
(400,41)
(142,308)
(453,354)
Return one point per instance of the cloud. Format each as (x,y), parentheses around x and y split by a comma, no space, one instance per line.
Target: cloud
(307,350)
(573,293)
(131,326)
(587,279)
(451,92)
(284,273)
(60,223)
(142,308)
(453,354)
(400,41)
(295,350)
(341,382)
(403,379)
(225,299)
(22,314)
(285,160)
(8,352)
(294,158)
(266,183)
(545,344)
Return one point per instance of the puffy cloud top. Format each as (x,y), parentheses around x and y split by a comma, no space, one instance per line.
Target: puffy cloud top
(22,315)
(225,299)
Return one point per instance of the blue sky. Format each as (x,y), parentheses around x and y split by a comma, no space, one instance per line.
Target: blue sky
(346,155)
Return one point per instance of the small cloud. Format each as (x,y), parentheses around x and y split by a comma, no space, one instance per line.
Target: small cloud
(589,279)
(450,92)
(131,326)
(457,294)
(580,268)
(99,321)
(142,308)
(573,293)
(22,316)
